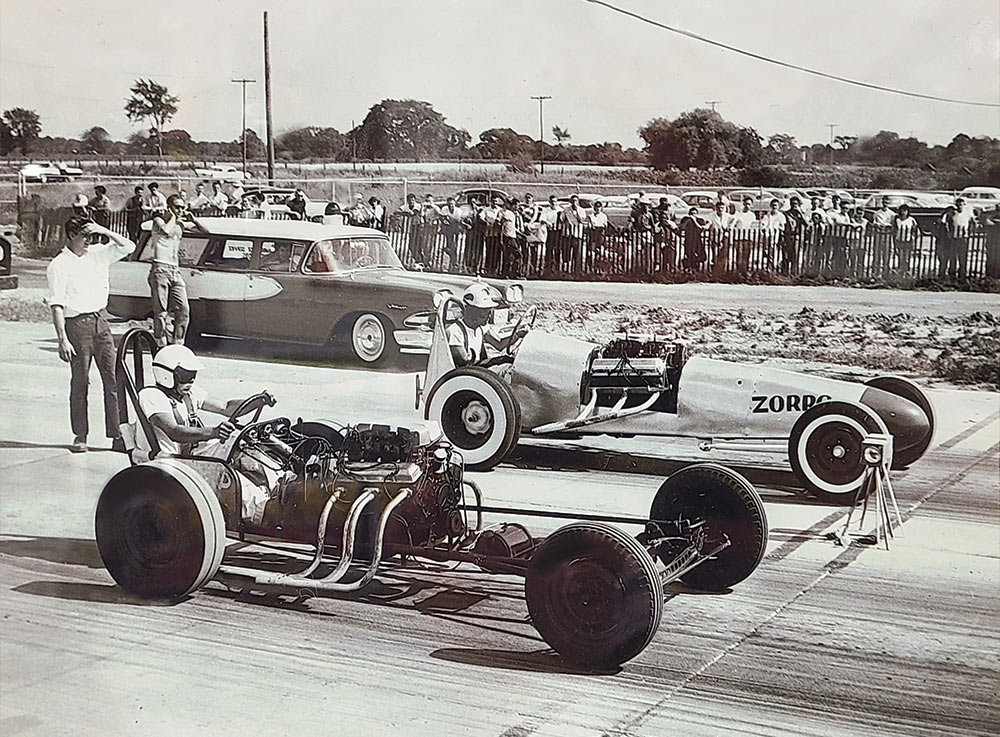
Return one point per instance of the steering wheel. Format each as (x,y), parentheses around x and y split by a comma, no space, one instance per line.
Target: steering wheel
(525,319)
(254,404)
(365,261)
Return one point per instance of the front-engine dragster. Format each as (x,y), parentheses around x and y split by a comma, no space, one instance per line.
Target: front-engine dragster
(553,386)
(369,496)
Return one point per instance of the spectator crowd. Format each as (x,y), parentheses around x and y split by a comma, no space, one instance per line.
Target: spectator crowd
(495,234)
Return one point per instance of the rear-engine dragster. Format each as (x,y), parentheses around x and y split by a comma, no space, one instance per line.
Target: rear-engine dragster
(639,385)
(368,496)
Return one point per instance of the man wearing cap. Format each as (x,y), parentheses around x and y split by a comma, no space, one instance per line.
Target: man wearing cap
(155,202)
(78,296)
(100,206)
(475,339)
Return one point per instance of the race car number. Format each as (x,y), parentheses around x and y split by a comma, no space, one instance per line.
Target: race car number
(763,404)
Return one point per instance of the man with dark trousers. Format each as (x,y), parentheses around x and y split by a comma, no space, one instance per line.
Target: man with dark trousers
(78,297)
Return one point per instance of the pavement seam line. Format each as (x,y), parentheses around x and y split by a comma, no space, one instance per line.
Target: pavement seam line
(969,432)
(627,727)
(837,564)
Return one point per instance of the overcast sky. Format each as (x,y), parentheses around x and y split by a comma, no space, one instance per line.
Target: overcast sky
(478,63)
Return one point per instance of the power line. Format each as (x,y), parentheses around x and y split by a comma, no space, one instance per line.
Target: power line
(786,64)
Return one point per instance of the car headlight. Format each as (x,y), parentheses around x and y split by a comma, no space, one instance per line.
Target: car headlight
(419,321)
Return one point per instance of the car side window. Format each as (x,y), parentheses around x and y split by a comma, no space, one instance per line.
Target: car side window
(231,254)
(280,256)
(188,253)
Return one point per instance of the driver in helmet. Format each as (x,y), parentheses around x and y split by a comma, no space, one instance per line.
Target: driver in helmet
(172,405)
(476,338)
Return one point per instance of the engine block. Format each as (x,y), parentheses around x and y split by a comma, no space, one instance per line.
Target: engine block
(635,362)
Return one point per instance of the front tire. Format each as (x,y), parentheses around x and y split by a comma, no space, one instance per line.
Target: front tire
(728,504)
(824,449)
(908,390)
(478,414)
(594,594)
(160,529)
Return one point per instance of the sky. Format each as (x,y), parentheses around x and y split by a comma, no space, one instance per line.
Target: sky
(479,63)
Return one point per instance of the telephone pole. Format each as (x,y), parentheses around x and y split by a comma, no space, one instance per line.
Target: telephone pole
(831,126)
(243,130)
(267,103)
(713,103)
(541,130)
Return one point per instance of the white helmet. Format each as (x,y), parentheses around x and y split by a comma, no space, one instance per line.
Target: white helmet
(170,358)
(480,295)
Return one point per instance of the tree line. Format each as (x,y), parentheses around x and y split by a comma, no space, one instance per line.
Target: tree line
(412,130)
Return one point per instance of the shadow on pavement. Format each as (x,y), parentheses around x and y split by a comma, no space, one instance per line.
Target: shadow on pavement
(539,661)
(93,592)
(68,551)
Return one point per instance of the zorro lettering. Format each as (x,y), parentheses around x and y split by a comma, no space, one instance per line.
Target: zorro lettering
(764,404)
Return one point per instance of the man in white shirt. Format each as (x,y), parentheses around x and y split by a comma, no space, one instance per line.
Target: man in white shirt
(959,225)
(219,199)
(200,201)
(78,296)
(549,217)
(167,288)
(172,405)
(742,224)
(475,339)
(155,202)
(571,229)
(773,224)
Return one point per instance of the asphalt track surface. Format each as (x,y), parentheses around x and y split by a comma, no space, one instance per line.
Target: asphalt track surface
(820,640)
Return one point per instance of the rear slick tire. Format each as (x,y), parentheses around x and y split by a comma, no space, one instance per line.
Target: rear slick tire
(728,504)
(594,595)
(160,529)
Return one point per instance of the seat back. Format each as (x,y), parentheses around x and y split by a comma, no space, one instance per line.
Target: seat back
(130,378)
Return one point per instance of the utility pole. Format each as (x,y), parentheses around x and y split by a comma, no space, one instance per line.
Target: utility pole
(243,130)
(831,126)
(713,103)
(541,130)
(267,99)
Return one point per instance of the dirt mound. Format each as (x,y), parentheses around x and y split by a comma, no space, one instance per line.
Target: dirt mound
(961,350)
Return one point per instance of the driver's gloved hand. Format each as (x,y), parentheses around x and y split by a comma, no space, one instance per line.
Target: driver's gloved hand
(224,430)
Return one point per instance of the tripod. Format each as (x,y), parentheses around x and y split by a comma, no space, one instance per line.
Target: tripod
(876,450)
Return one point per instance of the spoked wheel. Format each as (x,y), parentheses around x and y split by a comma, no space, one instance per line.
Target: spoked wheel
(724,503)
(901,458)
(825,449)
(160,529)
(594,594)
(477,413)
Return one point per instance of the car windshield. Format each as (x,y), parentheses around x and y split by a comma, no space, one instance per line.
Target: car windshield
(346,254)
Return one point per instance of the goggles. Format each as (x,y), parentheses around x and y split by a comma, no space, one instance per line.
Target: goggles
(183,375)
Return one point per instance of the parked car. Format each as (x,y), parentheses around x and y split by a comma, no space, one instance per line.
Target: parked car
(222,173)
(274,199)
(981,198)
(292,281)
(44,171)
(926,208)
